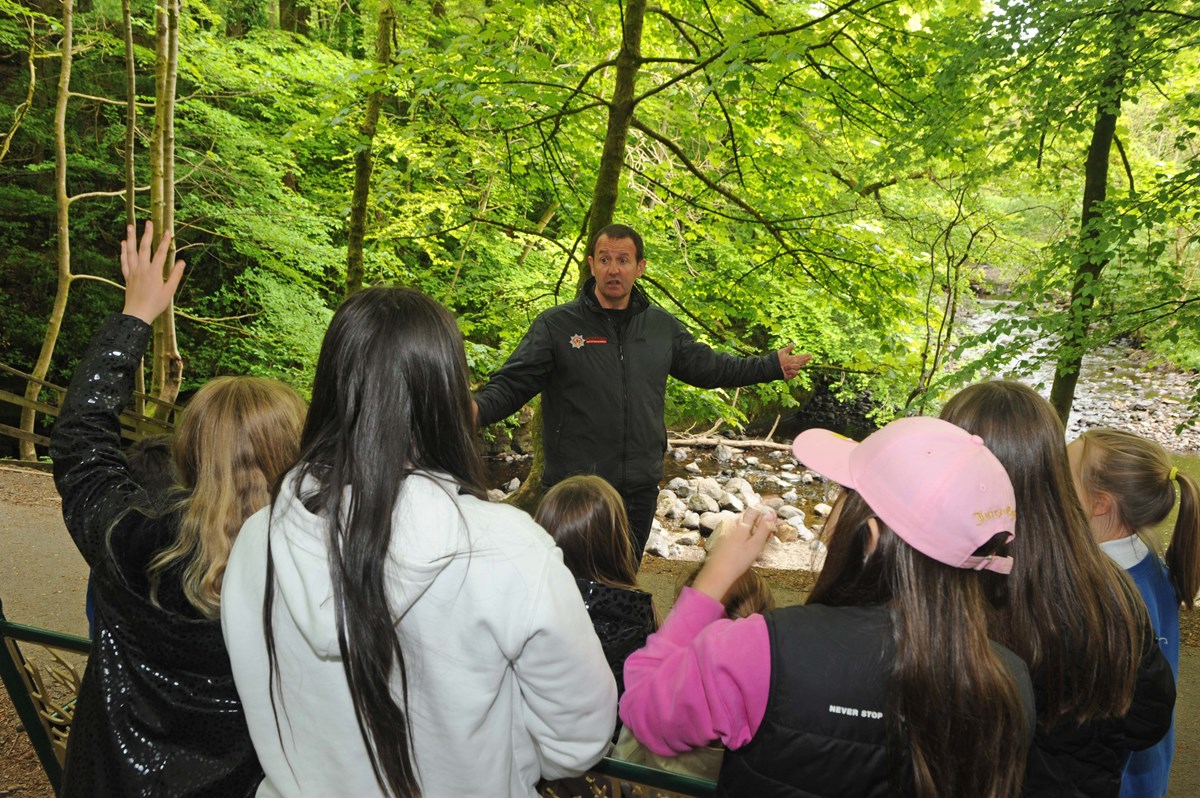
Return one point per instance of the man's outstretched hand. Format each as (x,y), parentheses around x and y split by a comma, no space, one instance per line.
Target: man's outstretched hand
(147,292)
(791,364)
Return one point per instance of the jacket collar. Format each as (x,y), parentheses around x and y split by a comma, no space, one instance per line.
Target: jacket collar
(638,301)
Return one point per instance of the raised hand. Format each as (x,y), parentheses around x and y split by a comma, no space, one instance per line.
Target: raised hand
(147,292)
(735,551)
(791,364)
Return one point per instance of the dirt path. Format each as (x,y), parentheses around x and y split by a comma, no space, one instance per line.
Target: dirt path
(44,578)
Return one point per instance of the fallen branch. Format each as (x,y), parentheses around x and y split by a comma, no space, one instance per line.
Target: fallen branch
(733,444)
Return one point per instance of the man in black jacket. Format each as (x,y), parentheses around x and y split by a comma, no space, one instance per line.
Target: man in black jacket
(601,363)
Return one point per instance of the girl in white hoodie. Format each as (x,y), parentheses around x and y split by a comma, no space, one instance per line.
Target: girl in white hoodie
(392,632)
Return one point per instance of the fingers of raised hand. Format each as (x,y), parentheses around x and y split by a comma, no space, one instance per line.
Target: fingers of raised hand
(759,520)
(143,251)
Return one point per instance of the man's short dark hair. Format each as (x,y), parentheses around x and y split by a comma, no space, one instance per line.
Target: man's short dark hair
(615,232)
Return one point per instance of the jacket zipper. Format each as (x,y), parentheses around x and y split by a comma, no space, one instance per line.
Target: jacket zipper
(624,400)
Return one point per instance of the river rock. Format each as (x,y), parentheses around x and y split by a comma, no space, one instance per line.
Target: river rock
(718,524)
(788,467)
(723,453)
(822,510)
(690,521)
(702,503)
(787,512)
(709,487)
(681,454)
(730,502)
(689,539)
(496,495)
(752,460)
(709,522)
(791,495)
(772,501)
(808,478)
(666,501)
(693,468)
(512,485)
(742,489)
(658,544)
(786,533)
(680,487)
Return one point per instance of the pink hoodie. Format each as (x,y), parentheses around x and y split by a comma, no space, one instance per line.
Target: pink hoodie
(700,678)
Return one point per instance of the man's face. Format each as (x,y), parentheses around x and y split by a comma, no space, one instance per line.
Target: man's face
(615,266)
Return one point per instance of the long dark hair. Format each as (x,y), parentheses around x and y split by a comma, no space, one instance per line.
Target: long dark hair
(1066,609)
(390,398)
(973,740)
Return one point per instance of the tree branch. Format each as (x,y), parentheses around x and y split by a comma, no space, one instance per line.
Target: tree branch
(724,192)
(1125,161)
(683,309)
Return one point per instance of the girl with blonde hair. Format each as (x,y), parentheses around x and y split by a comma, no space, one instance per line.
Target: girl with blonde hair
(157,712)
(1128,488)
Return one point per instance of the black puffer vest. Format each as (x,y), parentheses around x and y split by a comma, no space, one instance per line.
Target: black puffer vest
(824,732)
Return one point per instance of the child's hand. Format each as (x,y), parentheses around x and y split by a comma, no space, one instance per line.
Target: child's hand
(735,552)
(147,294)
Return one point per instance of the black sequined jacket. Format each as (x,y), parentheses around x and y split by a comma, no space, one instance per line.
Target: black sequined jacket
(157,712)
(622,618)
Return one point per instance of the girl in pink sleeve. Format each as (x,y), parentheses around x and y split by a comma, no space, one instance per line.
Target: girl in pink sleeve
(885,682)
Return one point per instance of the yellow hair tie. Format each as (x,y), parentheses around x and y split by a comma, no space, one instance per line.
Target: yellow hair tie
(1174,473)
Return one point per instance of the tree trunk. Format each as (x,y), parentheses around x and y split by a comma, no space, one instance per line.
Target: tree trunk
(167,374)
(620,114)
(362,158)
(130,112)
(1083,296)
(63,205)
(1095,189)
(293,16)
(547,215)
(139,377)
(22,109)
(608,184)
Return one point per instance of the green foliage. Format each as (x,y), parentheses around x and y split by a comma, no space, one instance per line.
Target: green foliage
(836,177)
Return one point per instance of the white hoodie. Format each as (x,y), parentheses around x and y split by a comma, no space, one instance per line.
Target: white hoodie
(507,682)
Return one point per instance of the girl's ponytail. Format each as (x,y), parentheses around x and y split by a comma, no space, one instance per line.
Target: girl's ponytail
(1183,555)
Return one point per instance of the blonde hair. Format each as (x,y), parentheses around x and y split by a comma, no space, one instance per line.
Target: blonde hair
(750,595)
(238,435)
(587,519)
(1136,474)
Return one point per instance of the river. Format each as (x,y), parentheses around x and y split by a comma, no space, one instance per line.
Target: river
(1119,386)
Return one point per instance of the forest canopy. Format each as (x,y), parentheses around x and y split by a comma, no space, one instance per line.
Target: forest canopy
(847,178)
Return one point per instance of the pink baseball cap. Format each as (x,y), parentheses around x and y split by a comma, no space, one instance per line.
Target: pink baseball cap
(933,483)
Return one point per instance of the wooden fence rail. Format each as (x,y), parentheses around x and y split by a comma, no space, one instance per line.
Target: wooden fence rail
(134,426)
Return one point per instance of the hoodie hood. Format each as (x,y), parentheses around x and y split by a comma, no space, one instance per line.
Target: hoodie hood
(418,552)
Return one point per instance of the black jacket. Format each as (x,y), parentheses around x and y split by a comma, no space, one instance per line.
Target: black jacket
(1086,761)
(622,618)
(157,712)
(825,730)
(603,385)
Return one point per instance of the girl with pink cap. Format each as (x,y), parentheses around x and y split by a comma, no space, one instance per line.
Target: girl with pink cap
(885,682)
